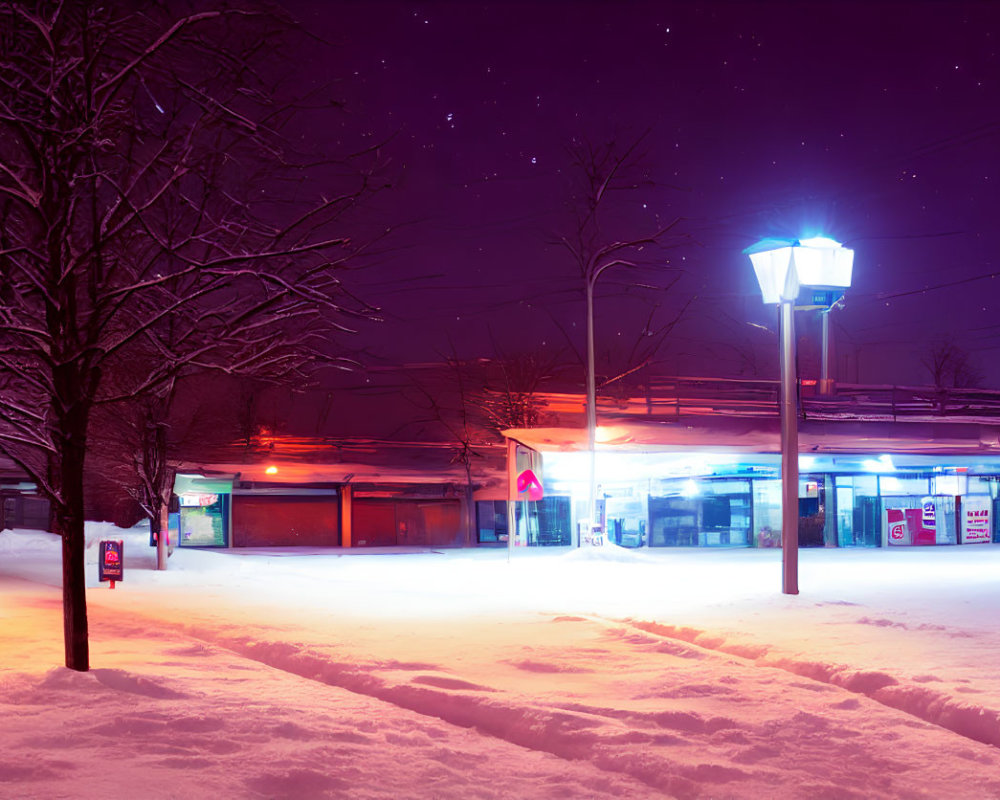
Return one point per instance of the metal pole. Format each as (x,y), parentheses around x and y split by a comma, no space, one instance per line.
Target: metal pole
(825,384)
(511,495)
(789,454)
(161,539)
(591,404)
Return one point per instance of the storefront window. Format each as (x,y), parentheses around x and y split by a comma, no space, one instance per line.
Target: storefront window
(975,519)
(204,510)
(903,510)
(949,484)
(541,523)
(919,520)
(698,500)
(673,521)
(704,513)
(491,517)
(986,486)
(204,520)
(845,515)
(767,512)
(996,519)
(626,512)
(545,522)
(726,513)
(812,510)
(982,485)
(899,485)
(859,521)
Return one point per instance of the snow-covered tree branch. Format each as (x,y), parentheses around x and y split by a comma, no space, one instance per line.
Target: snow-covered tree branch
(148,228)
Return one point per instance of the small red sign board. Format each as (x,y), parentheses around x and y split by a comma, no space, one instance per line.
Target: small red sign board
(111,564)
(528,486)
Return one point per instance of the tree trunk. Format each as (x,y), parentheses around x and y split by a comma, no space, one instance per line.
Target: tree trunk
(156,468)
(70,524)
(155,524)
(70,437)
(469,514)
(161,530)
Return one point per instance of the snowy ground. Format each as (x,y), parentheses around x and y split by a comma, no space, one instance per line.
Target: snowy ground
(562,674)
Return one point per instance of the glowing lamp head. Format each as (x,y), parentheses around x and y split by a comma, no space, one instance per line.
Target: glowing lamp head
(783,265)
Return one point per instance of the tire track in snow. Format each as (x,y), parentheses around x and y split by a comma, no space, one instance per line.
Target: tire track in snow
(569,734)
(587,734)
(675,752)
(971,721)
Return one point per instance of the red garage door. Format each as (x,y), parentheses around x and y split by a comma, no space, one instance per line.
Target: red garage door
(373,523)
(417,523)
(283,520)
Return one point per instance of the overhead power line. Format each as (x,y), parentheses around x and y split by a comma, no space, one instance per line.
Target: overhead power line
(946,285)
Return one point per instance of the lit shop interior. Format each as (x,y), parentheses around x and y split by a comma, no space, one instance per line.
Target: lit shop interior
(734,500)
(202,516)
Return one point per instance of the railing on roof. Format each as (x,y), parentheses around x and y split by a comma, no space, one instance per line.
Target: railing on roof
(677,397)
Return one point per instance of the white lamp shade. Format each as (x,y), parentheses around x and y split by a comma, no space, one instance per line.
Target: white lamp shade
(824,262)
(783,265)
(772,270)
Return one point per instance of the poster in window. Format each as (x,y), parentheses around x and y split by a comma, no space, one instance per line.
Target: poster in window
(898,531)
(977,522)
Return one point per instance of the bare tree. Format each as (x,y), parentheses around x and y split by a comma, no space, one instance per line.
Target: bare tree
(606,233)
(130,450)
(951,367)
(510,394)
(149,204)
(135,442)
(444,400)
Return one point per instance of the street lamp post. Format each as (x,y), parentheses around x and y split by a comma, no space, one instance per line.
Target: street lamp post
(825,384)
(591,410)
(783,266)
(592,274)
(825,381)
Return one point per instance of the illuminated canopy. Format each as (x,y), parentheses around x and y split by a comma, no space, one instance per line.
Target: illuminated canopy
(783,265)
(191,483)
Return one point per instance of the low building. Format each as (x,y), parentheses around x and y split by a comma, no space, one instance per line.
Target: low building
(21,504)
(682,463)
(696,463)
(337,493)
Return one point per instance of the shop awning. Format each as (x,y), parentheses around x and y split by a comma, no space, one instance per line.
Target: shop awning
(186,483)
(762,436)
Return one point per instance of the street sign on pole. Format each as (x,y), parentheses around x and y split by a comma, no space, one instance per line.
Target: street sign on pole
(111,563)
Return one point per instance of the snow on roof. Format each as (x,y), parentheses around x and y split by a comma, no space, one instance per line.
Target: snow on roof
(726,434)
(302,460)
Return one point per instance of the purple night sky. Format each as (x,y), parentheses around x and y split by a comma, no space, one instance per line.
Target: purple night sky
(875,123)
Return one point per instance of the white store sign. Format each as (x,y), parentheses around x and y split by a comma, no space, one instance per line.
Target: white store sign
(977,522)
